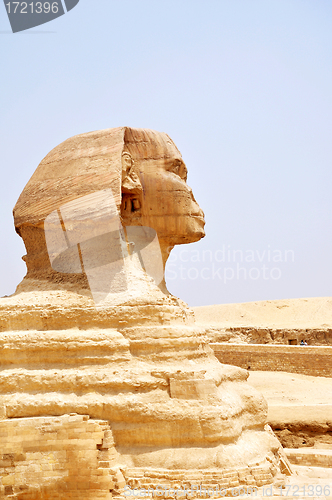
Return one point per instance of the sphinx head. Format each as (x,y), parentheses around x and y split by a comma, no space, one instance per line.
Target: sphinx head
(141,169)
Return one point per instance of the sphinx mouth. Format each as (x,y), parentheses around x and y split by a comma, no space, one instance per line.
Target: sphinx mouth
(199,217)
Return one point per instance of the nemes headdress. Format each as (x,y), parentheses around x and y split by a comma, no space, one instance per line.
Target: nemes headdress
(74,197)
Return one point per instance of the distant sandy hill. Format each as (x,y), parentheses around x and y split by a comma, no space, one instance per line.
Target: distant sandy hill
(289,313)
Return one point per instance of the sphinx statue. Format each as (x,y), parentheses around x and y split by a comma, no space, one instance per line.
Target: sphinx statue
(92,335)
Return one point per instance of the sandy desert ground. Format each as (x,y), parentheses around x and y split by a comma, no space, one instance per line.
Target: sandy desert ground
(292,398)
(290,313)
(301,402)
(295,398)
(299,405)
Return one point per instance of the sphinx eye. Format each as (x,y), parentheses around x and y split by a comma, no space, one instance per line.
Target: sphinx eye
(179,168)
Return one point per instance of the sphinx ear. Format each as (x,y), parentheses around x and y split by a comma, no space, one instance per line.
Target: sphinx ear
(127,163)
(131,183)
(131,189)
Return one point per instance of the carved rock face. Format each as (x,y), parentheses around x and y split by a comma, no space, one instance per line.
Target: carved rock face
(146,176)
(137,365)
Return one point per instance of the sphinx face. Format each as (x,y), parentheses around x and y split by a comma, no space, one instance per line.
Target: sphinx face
(146,175)
(167,203)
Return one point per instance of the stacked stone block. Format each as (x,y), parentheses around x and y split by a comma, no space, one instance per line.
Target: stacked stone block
(197,483)
(74,457)
(306,360)
(56,458)
(313,457)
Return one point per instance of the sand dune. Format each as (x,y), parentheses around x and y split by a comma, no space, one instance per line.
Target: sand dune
(289,313)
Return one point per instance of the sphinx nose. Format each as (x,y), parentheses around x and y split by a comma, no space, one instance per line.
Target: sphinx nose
(201,213)
(198,211)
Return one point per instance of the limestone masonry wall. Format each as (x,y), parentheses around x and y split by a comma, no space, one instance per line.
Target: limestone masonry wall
(313,457)
(266,335)
(193,483)
(294,359)
(74,457)
(56,458)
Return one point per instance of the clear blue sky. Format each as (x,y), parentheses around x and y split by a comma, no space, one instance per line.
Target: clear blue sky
(243,87)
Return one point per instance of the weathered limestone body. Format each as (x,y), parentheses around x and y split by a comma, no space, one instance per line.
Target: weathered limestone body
(127,359)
